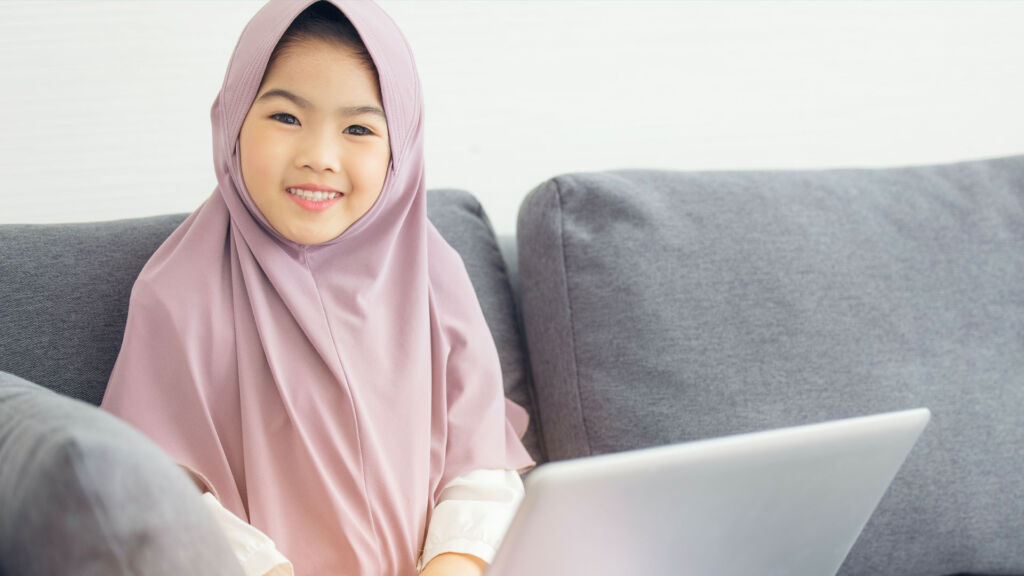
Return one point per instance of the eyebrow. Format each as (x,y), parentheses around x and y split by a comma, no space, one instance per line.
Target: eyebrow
(303,103)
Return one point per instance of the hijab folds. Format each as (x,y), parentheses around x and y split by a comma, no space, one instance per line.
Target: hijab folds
(328,392)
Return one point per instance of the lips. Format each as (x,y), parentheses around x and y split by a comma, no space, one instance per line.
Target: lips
(313,201)
(314,188)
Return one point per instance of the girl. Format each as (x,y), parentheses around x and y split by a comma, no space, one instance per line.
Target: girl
(305,344)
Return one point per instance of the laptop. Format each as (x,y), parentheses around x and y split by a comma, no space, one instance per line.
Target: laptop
(788,501)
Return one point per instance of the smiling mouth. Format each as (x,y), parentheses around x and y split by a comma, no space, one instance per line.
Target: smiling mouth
(313,195)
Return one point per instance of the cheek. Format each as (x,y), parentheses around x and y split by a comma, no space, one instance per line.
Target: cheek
(259,168)
(373,171)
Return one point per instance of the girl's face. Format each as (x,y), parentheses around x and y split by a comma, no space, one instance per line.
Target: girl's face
(316,128)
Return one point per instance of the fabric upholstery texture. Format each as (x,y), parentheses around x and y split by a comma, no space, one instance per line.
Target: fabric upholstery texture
(64,295)
(665,306)
(83,493)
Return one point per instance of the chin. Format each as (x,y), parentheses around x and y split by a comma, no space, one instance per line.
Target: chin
(313,237)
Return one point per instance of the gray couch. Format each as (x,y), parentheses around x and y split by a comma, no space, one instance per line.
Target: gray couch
(633,308)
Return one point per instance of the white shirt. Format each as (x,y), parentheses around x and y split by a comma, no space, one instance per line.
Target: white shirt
(254,549)
(472,515)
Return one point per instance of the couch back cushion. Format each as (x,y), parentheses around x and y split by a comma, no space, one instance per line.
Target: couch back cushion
(64,292)
(665,306)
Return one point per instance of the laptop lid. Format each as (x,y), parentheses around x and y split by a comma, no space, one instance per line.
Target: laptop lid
(788,501)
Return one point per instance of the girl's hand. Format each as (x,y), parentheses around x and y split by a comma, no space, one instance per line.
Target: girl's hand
(454,564)
(280,570)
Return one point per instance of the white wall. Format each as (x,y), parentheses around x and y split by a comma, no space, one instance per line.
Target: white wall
(106,104)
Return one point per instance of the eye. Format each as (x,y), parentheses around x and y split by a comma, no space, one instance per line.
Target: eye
(361,130)
(286,115)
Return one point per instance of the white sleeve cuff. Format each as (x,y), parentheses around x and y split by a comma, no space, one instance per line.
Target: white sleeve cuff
(477,548)
(472,514)
(265,559)
(255,550)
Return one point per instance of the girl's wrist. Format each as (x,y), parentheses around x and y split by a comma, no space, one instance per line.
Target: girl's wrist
(454,564)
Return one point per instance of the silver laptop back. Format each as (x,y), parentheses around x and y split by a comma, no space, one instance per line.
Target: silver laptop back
(789,501)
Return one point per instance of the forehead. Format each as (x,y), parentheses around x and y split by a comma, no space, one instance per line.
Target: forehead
(327,68)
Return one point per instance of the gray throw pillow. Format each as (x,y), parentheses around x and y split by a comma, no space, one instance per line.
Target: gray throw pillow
(84,494)
(664,306)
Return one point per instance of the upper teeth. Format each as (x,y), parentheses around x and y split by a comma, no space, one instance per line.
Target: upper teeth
(311,195)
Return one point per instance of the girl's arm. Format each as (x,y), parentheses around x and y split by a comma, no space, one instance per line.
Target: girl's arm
(255,551)
(469,522)
(454,564)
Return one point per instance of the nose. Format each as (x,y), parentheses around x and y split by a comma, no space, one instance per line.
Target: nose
(320,150)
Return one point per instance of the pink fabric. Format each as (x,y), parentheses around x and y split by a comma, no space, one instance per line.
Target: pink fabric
(329,391)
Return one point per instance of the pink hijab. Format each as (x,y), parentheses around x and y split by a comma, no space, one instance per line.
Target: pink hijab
(328,392)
